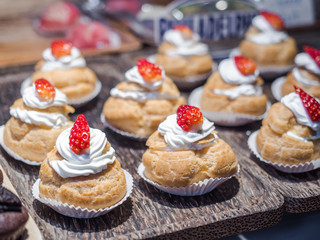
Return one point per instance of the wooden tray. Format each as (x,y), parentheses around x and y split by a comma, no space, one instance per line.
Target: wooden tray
(255,199)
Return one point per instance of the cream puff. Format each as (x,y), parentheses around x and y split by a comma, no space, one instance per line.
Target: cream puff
(140,103)
(37,120)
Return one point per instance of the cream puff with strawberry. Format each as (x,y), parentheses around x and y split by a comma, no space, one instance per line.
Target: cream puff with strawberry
(66,69)
(141,102)
(290,133)
(266,42)
(82,171)
(181,54)
(186,152)
(306,74)
(36,121)
(235,88)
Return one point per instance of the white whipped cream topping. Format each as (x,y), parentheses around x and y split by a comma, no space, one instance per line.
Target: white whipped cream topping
(185,47)
(74,165)
(297,75)
(268,37)
(261,23)
(304,60)
(177,138)
(294,103)
(304,139)
(71,61)
(54,120)
(31,99)
(230,73)
(245,89)
(141,96)
(133,75)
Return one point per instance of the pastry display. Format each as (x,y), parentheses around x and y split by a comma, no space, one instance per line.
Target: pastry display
(235,88)
(306,74)
(13,216)
(65,68)
(290,133)
(181,53)
(82,171)
(37,120)
(186,152)
(266,42)
(140,103)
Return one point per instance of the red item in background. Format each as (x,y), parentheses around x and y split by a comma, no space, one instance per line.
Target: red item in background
(58,17)
(92,34)
(313,53)
(275,20)
(123,6)
(60,48)
(246,66)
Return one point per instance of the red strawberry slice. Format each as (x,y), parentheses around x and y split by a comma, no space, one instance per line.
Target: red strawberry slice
(149,71)
(189,118)
(45,90)
(60,48)
(79,138)
(185,31)
(310,104)
(274,19)
(313,53)
(245,65)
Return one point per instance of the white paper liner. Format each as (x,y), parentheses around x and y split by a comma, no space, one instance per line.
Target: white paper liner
(276,88)
(120,132)
(300,168)
(221,118)
(75,102)
(78,212)
(13,154)
(188,82)
(195,189)
(271,71)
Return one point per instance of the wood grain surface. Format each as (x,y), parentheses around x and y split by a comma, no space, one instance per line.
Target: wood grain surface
(255,199)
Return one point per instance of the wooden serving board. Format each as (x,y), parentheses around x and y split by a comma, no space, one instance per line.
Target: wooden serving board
(255,199)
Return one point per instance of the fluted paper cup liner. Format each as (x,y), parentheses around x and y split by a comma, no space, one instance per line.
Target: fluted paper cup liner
(195,189)
(300,168)
(120,132)
(223,118)
(13,154)
(188,82)
(78,212)
(75,102)
(276,88)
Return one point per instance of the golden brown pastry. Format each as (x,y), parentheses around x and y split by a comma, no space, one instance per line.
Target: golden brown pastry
(288,135)
(67,71)
(305,75)
(266,43)
(182,55)
(74,175)
(173,160)
(137,108)
(35,124)
(236,93)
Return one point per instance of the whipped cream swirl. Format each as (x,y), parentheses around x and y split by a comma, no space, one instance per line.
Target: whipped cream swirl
(304,60)
(298,76)
(177,138)
(185,47)
(31,99)
(242,90)
(230,73)
(70,61)
(74,165)
(268,37)
(261,24)
(294,103)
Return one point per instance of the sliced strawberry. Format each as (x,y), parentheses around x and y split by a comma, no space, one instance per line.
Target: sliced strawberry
(313,53)
(185,31)
(310,104)
(274,19)
(245,65)
(189,118)
(79,138)
(60,48)
(45,90)
(149,71)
